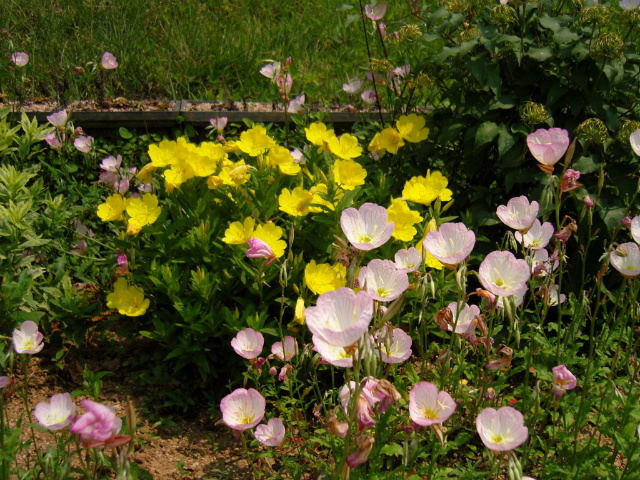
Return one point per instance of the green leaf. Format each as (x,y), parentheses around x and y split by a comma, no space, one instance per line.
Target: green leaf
(124,133)
(392,449)
(549,23)
(586,165)
(540,54)
(71,167)
(564,35)
(486,133)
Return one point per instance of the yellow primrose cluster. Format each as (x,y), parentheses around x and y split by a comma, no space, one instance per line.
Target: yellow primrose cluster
(408,127)
(128,300)
(239,233)
(140,211)
(323,277)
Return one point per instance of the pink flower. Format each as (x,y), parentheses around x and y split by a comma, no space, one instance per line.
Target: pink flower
(271,70)
(548,146)
(451,244)
(551,296)
(364,444)
(83,144)
(504,275)
(218,123)
(463,318)
(369,96)
(365,403)
(260,249)
(341,317)
(394,347)
(382,280)
(297,104)
(284,83)
(518,214)
(563,380)
(626,259)
(59,119)
(376,12)
(99,426)
(20,59)
(289,351)
(248,343)
(428,406)
(353,87)
(569,180)
(4,382)
(629,4)
(242,409)
(367,227)
(537,237)
(111,163)
(56,414)
(53,140)
(501,430)
(336,356)
(122,260)
(634,226)
(28,339)
(634,140)
(108,61)
(271,434)
(588,202)
(408,260)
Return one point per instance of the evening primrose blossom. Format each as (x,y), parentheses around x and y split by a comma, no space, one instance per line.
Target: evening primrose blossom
(412,128)
(349,174)
(238,233)
(271,234)
(319,135)
(346,147)
(425,190)
(390,140)
(112,209)
(128,300)
(242,409)
(368,227)
(322,278)
(55,414)
(143,211)
(428,406)
(28,339)
(501,430)
(403,218)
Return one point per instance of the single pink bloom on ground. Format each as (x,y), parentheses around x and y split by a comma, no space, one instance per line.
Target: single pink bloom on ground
(20,59)
(28,339)
(341,317)
(248,343)
(626,259)
(518,214)
(108,61)
(382,280)
(367,227)
(83,144)
(99,426)
(260,249)
(563,380)
(428,406)
(243,409)
(289,351)
(451,244)
(548,146)
(58,119)
(501,430)
(537,237)
(377,12)
(57,413)
(504,275)
(271,434)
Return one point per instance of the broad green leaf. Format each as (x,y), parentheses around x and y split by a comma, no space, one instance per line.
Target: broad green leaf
(486,133)
(392,449)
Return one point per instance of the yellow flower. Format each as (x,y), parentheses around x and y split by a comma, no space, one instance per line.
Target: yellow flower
(214,182)
(412,128)
(271,234)
(319,189)
(324,278)
(281,157)
(429,260)
(292,202)
(143,211)
(145,173)
(390,140)
(215,151)
(112,209)
(238,233)
(346,147)
(133,229)
(375,147)
(426,189)
(255,141)
(404,219)
(128,300)
(298,316)
(202,165)
(180,172)
(348,174)
(163,154)
(318,134)
(235,175)
(231,147)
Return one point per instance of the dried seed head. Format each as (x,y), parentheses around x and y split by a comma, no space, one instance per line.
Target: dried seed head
(381,65)
(607,46)
(630,18)
(409,33)
(533,114)
(598,15)
(468,34)
(504,13)
(628,127)
(593,130)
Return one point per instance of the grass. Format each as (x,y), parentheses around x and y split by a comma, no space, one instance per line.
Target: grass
(188,49)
